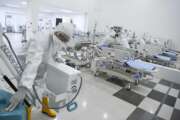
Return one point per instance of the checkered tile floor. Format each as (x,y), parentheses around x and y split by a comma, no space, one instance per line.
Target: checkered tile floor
(154,99)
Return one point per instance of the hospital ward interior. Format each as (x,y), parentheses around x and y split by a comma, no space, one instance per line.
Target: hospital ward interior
(89,60)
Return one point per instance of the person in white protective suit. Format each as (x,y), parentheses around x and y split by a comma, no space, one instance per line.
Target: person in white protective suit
(141,50)
(113,39)
(142,41)
(123,40)
(108,40)
(44,47)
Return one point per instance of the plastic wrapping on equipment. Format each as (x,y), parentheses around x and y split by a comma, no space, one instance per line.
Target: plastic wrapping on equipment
(163,58)
(141,65)
(18,114)
(172,55)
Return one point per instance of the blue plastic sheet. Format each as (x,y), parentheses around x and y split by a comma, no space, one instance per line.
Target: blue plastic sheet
(163,58)
(172,55)
(103,45)
(141,65)
(18,114)
(172,51)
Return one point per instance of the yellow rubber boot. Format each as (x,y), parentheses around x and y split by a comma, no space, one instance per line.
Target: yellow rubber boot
(29,113)
(45,108)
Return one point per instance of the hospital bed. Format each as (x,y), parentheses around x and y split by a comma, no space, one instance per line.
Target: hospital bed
(155,54)
(172,54)
(121,66)
(148,53)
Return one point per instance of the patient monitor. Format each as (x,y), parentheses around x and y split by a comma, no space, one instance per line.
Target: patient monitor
(63,81)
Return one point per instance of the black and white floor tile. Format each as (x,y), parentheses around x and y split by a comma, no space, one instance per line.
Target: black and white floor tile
(154,100)
(102,99)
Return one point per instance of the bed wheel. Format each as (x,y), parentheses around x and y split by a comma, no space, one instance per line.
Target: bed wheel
(136,82)
(128,87)
(77,67)
(96,74)
(88,65)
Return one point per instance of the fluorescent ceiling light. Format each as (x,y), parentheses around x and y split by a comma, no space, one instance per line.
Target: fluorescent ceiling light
(24,3)
(105,115)
(14,13)
(12,5)
(48,11)
(66,11)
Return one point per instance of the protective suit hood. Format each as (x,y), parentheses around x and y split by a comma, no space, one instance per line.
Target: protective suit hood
(66,28)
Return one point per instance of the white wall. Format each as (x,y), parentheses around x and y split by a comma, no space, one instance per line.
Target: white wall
(78,19)
(168,73)
(80,6)
(18,17)
(159,18)
(2,19)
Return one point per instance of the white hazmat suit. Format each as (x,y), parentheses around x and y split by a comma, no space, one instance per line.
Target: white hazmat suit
(108,40)
(44,47)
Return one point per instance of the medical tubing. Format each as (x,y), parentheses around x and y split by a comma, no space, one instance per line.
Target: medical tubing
(63,106)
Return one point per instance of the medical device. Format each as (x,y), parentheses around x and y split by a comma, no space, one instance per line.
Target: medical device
(122,65)
(150,50)
(154,53)
(78,56)
(62,81)
(63,84)
(81,55)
